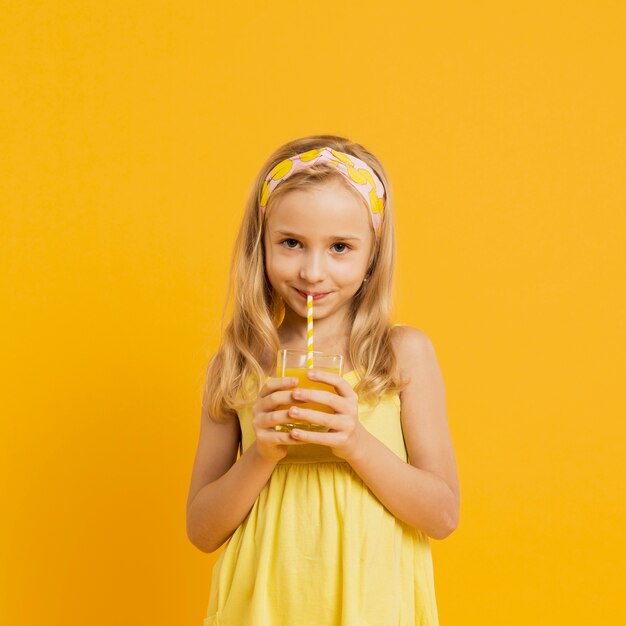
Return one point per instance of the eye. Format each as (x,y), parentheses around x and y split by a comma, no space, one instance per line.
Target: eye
(290,243)
(340,247)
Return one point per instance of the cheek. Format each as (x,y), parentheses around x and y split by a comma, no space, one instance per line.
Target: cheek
(352,272)
(276,268)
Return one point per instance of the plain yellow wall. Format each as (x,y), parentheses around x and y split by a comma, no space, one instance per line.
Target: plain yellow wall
(131,132)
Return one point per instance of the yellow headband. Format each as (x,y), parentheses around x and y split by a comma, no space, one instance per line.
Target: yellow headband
(358,173)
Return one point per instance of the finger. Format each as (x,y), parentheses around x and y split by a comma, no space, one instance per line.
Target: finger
(279,438)
(327,398)
(292,440)
(329,420)
(275,384)
(276,399)
(309,436)
(276,439)
(267,421)
(338,382)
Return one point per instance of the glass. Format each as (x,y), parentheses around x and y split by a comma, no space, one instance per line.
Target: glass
(293,364)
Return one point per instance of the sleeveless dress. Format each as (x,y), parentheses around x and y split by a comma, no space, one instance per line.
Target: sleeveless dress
(319,549)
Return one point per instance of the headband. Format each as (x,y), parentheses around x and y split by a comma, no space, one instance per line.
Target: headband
(358,173)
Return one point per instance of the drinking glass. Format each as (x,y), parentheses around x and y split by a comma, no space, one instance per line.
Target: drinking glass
(293,364)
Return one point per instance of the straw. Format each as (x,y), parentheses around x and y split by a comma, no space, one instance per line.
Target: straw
(309,330)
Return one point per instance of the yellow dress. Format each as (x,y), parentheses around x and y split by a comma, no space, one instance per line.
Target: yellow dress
(319,549)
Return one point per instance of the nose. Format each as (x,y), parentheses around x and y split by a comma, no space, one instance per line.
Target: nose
(313,269)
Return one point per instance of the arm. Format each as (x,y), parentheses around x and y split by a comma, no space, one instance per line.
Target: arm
(416,496)
(423,492)
(223,488)
(222,491)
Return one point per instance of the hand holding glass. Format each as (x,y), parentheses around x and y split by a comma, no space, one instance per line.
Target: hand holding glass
(293,364)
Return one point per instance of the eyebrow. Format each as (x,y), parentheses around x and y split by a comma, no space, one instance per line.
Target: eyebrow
(286,233)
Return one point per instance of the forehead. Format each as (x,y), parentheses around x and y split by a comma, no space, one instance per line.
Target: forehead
(325,208)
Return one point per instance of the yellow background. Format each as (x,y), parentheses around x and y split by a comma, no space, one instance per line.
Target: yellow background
(130,134)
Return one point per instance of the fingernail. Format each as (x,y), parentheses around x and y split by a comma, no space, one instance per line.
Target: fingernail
(294,410)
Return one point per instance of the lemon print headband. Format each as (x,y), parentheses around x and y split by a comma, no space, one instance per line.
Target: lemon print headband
(358,173)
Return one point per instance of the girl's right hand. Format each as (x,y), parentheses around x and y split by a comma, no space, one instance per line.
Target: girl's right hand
(271,443)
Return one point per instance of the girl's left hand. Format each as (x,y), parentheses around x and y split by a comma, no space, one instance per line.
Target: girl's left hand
(345,431)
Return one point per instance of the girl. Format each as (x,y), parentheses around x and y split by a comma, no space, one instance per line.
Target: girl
(323,528)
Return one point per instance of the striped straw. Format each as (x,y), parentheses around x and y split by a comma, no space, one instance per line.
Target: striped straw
(309,330)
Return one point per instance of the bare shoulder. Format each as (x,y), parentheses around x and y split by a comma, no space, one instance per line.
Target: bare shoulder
(216,452)
(424,413)
(401,332)
(412,347)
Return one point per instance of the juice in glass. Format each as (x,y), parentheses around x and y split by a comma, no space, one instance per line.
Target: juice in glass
(293,364)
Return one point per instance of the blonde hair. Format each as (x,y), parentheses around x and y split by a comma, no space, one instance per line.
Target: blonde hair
(250,342)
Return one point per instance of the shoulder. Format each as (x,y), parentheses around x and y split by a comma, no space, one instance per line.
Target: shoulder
(414,351)
(409,342)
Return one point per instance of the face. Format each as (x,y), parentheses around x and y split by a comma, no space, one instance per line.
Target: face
(318,241)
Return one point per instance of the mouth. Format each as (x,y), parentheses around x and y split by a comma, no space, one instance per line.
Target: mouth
(316,296)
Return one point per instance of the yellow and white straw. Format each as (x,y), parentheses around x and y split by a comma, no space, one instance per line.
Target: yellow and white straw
(309,330)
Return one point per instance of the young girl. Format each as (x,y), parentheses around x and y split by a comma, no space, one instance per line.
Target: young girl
(323,528)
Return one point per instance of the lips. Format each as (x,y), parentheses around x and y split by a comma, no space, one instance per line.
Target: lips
(316,296)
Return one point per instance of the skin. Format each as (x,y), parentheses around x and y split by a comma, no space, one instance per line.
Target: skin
(319,241)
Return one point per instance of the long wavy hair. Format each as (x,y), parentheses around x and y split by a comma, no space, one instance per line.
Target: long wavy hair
(237,370)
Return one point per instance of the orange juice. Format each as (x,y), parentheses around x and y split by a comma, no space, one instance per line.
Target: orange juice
(292,364)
